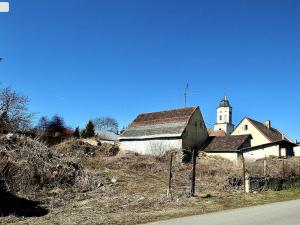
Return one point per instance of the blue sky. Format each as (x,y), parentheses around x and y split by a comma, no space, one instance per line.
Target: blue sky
(83,59)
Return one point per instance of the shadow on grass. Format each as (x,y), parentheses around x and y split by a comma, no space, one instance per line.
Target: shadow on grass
(13,205)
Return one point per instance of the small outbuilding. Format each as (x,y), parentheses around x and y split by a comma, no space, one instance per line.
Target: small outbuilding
(229,147)
(157,132)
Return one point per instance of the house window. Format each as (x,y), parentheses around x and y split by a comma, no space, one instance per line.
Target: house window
(220,117)
(246,127)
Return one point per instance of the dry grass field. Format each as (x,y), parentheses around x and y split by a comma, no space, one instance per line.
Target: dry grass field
(133,189)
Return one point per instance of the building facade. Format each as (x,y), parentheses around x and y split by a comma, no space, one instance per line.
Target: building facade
(224,117)
(266,137)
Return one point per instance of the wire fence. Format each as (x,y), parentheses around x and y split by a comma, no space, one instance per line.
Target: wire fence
(216,174)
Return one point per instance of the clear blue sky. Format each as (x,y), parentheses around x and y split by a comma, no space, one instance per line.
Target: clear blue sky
(83,59)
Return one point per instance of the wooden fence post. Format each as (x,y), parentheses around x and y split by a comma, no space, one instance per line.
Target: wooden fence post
(283,168)
(193,174)
(170,176)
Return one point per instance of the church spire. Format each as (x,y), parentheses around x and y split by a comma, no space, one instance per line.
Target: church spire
(224,102)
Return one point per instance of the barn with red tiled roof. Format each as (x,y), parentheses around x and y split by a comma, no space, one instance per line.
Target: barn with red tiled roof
(158,132)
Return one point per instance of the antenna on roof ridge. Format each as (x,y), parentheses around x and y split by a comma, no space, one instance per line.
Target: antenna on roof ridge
(187,94)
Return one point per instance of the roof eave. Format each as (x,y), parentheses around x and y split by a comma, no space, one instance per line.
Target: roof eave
(151,136)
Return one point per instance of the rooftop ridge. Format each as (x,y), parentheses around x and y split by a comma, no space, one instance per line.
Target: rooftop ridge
(168,110)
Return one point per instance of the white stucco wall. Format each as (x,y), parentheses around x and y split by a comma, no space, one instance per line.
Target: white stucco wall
(253,155)
(297,151)
(226,127)
(151,146)
(223,115)
(265,152)
(224,120)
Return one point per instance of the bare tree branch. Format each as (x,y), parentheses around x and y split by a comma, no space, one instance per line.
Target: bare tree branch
(15,106)
(106,124)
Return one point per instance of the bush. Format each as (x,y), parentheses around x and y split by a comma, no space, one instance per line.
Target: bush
(28,165)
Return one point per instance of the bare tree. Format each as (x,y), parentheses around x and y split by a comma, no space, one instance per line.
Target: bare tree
(106,124)
(14,106)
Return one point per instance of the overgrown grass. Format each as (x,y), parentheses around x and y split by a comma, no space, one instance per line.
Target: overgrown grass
(137,192)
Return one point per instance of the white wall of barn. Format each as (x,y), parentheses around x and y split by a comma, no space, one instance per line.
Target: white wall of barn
(297,151)
(264,152)
(252,155)
(153,147)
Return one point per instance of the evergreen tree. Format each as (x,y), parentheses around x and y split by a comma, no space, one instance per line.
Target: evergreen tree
(83,133)
(43,124)
(4,123)
(122,130)
(57,124)
(90,129)
(76,133)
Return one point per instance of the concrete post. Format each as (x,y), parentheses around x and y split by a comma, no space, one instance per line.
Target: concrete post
(265,167)
(247,184)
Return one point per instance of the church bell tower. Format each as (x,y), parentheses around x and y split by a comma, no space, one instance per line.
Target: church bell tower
(224,117)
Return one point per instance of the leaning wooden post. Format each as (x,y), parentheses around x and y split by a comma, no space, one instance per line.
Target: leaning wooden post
(170,176)
(244,172)
(193,174)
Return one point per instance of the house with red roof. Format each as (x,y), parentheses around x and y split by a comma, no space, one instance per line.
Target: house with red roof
(266,140)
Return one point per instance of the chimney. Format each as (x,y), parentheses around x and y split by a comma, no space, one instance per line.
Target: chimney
(268,124)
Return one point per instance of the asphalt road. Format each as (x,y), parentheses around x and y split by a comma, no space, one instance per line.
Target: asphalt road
(281,213)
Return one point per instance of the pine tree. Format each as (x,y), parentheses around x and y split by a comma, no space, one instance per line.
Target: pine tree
(122,130)
(90,129)
(76,133)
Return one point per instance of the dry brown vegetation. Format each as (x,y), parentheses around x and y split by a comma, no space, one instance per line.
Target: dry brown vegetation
(126,188)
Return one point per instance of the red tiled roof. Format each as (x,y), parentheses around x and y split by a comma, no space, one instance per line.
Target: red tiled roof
(227,143)
(271,133)
(218,133)
(168,116)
